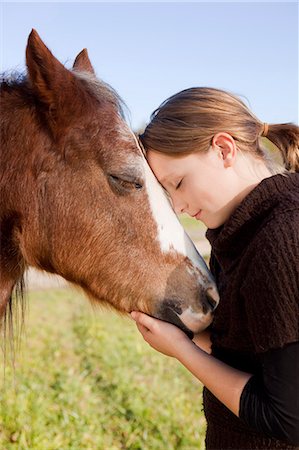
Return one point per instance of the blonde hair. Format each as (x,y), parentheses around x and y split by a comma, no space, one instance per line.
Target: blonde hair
(187,121)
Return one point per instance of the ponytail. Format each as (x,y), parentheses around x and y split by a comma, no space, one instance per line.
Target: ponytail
(286,138)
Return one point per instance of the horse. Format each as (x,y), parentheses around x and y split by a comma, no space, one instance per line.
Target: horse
(78,199)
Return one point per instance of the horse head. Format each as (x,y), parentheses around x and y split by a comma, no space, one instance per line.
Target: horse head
(78,198)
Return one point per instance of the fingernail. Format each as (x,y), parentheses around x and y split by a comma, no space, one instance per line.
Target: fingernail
(133,315)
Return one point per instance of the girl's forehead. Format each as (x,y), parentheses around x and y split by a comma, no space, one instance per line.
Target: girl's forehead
(163,162)
(164,166)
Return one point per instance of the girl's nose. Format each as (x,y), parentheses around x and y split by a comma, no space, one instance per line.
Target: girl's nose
(179,206)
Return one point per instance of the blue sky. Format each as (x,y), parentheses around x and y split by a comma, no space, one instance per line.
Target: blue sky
(149,51)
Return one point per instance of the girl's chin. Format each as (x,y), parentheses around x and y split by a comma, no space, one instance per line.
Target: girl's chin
(211,222)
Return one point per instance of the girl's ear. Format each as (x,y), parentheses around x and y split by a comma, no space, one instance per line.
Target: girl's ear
(225,145)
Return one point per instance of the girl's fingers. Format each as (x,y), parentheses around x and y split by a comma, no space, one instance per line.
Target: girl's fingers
(143,319)
(143,330)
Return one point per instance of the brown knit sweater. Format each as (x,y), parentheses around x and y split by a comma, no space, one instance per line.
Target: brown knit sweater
(255,261)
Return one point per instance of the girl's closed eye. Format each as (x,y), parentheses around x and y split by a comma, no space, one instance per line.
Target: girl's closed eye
(179,184)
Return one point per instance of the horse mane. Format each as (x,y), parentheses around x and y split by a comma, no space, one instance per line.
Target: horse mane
(12,79)
(101,90)
(13,320)
(16,82)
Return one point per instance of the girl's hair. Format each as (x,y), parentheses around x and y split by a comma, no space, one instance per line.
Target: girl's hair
(187,121)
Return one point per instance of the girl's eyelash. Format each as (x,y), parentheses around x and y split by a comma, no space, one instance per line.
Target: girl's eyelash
(179,184)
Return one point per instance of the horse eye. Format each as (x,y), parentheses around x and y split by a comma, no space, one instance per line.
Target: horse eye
(114,178)
(124,186)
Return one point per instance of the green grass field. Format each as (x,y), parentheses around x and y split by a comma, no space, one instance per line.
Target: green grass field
(87,380)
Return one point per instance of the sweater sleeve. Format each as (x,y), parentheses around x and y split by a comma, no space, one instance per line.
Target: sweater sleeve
(269,402)
(270,290)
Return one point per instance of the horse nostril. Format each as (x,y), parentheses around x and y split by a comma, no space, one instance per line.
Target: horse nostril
(212,298)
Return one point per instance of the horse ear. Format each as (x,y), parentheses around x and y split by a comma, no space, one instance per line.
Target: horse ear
(48,76)
(82,62)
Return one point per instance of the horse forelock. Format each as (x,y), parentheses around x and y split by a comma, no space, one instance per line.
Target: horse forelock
(102,92)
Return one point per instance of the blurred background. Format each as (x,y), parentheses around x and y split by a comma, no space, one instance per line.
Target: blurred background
(84,379)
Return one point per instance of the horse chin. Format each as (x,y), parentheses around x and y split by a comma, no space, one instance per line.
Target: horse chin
(169,315)
(188,321)
(196,321)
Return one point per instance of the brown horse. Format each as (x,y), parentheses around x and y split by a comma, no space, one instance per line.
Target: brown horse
(79,200)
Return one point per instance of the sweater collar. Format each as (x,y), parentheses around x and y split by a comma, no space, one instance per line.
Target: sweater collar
(248,215)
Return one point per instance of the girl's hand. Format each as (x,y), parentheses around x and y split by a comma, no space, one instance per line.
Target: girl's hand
(162,336)
(203,341)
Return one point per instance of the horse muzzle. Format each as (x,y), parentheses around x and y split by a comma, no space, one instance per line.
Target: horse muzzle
(190,319)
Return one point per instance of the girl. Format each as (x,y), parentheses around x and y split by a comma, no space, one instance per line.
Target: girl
(205,149)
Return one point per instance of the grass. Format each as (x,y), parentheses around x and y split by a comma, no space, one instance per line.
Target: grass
(86,380)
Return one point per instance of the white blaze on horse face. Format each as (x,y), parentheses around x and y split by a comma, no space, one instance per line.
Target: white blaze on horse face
(171,234)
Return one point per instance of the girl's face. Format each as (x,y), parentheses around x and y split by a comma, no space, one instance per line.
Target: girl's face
(208,186)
